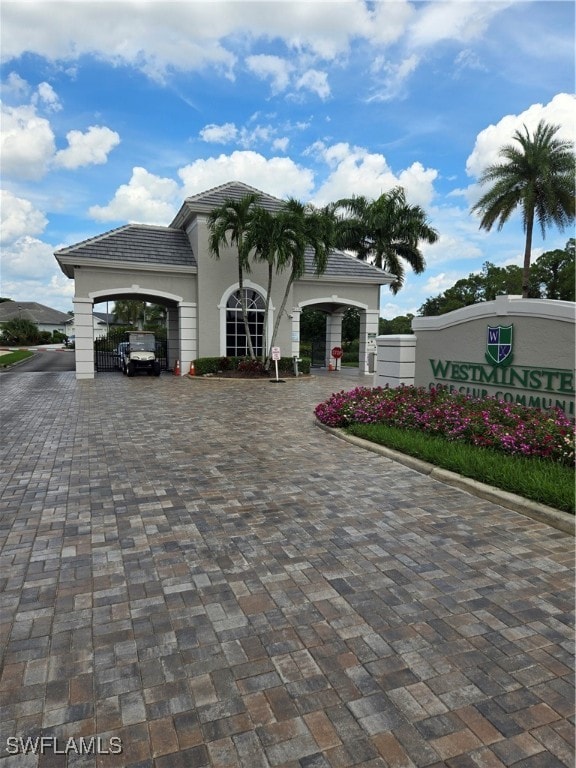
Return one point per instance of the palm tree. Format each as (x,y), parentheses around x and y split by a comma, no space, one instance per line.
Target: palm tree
(537,175)
(274,240)
(233,218)
(313,233)
(387,230)
(130,311)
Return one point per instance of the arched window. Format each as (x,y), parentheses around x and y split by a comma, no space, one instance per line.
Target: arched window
(236,344)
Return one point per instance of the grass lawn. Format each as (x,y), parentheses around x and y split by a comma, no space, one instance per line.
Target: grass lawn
(546,482)
(14,357)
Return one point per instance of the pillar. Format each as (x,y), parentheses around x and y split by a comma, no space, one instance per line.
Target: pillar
(368,333)
(396,360)
(84,330)
(172,336)
(333,334)
(187,335)
(296,312)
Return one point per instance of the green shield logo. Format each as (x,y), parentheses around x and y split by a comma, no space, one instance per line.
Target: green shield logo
(499,344)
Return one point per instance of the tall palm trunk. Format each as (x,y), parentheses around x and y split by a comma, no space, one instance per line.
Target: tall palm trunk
(266,349)
(243,306)
(527,254)
(279,318)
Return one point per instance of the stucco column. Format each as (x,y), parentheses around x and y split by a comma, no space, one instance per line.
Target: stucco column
(84,330)
(172,336)
(368,332)
(333,334)
(296,312)
(187,333)
(396,360)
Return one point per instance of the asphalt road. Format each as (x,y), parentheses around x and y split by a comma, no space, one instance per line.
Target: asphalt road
(45,360)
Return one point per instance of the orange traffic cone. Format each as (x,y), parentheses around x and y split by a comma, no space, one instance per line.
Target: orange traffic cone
(192,371)
(177,368)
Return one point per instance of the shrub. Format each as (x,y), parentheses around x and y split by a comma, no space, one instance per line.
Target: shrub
(204,365)
(488,423)
(20,331)
(251,367)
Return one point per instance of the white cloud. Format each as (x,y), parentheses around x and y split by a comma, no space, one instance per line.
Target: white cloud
(89,148)
(144,35)
(26,256)
(54,290)
(47,96)
(391,76)
(219,134)
(315,81)
(276,69)
(367,173)
(190,36)
(279,176)
(19,218)
(281,145)
(441,282)
(559,111)
(389,21)
(146,199)
(26,143)
(15,87)
(460,21)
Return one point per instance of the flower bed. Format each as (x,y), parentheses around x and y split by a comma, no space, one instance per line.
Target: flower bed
(488,423)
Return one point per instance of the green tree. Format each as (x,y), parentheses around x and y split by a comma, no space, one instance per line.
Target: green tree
(314,231)
(20,330)
(274,239)
(400,324)
(537,176)
(553,273)
(130,311)
(155,319)
(232,220)
(387,230)
(312,325)
(351,325)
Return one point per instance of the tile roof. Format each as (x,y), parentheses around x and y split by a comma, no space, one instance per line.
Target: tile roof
(145,244)
(137,243)
(340,264)
(31,310)
(345,266)
(205,202)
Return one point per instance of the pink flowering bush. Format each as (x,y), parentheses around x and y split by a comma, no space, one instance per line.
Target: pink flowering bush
(490,423)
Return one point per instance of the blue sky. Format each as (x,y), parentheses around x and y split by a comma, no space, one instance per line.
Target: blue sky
(115,112)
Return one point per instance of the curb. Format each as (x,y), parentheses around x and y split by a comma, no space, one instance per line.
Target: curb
(562,521)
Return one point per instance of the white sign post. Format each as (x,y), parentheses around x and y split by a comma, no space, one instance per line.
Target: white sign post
(276,357)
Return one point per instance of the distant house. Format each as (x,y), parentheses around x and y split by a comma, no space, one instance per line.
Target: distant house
(101,322)
(46,318)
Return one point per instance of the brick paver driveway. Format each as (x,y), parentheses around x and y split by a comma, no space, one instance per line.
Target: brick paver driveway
(195,573)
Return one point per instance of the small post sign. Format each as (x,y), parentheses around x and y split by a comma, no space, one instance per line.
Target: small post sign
(337,353)
(276,356)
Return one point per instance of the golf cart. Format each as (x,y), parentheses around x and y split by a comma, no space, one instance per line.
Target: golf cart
(138,353)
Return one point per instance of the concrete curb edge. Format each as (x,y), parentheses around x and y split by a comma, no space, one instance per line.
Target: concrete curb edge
(562,521)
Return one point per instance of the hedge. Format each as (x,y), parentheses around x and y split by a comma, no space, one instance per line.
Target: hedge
(213,365)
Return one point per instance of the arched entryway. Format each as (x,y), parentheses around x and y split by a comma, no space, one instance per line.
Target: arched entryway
(334,308)
(180,325)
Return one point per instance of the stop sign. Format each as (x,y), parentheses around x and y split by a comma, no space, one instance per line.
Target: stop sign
(337,352)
